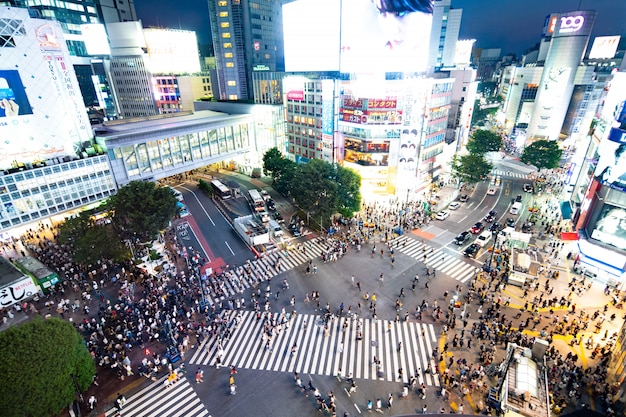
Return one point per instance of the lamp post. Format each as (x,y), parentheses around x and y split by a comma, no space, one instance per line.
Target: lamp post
(495,233)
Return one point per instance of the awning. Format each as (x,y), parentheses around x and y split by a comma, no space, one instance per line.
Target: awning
(566,210)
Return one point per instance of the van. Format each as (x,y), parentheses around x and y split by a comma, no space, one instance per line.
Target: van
(483,238)
(277,231)
(516,207)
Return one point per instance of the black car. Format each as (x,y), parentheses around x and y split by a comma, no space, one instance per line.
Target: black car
(462,238)
(278,217)
(463,198)
(495,227)
(518,199)
(271,206)
(528,188)
(471,250)
(489,218)
(295,230)
(510,222)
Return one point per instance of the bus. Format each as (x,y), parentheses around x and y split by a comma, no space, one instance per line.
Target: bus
(177,194)
(257,201)
(220,189)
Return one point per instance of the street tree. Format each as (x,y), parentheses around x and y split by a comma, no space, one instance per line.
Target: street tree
(471,168)
(542,154)
(483,141)
(142,209)
(349,199)
(92,240)
(43,364)
(325,189)
(274,164)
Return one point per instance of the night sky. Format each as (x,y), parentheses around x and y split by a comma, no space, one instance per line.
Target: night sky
(513,25)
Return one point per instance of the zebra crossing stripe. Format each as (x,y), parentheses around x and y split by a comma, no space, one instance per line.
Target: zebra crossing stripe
(319,353)
(177,400)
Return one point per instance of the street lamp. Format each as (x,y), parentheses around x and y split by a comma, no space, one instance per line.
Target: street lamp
(495,234)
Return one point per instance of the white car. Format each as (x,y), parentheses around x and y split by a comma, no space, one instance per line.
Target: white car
(454,205)
(442,215)
(491,191)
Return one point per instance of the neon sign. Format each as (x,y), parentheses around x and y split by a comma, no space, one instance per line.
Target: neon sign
(570,24)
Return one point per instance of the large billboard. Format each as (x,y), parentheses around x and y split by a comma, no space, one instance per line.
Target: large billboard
(611,168)
(385,36)
(311,35)
(610,227)
(604,47)
(42,114)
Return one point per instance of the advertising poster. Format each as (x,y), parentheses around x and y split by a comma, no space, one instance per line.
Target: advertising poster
(385,36)
(611,168)
(42,114)
(610,228)
(17,291)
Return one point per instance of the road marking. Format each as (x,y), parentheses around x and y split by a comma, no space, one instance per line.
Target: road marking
(229,248)
(198,200)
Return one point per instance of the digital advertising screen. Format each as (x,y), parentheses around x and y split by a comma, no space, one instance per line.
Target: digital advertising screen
(311,35)
(384,36)
(611,168)
(42,114)
(610,227)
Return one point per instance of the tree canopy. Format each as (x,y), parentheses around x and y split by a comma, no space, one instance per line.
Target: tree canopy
(471,168)
(40,362)
(142,209)
(91,240)
(483,141)
(317,186)
(543,154)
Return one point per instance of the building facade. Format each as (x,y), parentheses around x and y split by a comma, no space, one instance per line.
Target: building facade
(247,37)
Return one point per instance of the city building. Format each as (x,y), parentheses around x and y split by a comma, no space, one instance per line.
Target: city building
(82,22)
(48,158)
(247,37)
(444,34)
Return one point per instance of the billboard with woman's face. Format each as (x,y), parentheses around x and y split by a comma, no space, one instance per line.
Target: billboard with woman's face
(610,228)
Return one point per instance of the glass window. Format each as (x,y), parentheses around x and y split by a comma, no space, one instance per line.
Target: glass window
(225,24)
(226,35)
(228,55)
(226,45)
(232,83)
(223,14)
(230,65)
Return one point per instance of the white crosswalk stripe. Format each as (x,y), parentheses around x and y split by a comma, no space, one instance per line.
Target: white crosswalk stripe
(177,400)
(324,353)
(509,174)
(270,264)
(438,259)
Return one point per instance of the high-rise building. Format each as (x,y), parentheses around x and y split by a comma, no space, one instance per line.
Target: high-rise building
(444,34)
(48,158)
(77,19)
(569,34)
(247,37)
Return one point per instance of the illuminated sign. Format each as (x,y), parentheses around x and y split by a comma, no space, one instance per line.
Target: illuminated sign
(257,46)
(570,24)
(381,104)
(604,47)
(295,95)
(552,25)
(95,38)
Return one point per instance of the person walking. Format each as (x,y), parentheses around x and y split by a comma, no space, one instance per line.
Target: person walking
(379,406)
(92,402)
(199,376)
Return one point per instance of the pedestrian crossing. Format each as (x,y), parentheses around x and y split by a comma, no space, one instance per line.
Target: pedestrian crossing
(510,174)
(441,261)
(267,266)
(177,400)
(324,350)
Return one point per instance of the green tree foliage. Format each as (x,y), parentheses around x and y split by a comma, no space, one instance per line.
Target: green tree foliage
(39,361)
(471,168)
(315,188)
(349,198)
(141,208)
(92,241)
(274,164)
(543,154)
(283,183)
(483,141)
(206,187)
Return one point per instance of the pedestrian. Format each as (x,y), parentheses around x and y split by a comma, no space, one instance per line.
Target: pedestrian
(379,405)
(424,409)
(120,401)
(426,286)
(92,402)
(370,405)
(402,292)
(199,376)
(390,401)
(358,285)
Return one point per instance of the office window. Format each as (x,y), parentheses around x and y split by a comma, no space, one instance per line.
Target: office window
(230,65)
(223,14)
(225,24)
(233,97)
(222,3)
(228,55)
(227,45)
(232,83)
(226,35)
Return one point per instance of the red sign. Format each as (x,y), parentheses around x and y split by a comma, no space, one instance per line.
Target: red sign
(569,235)
(295,95)
(352,104)
(373,103)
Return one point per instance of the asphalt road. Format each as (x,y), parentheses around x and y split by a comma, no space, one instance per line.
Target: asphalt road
(265,392)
